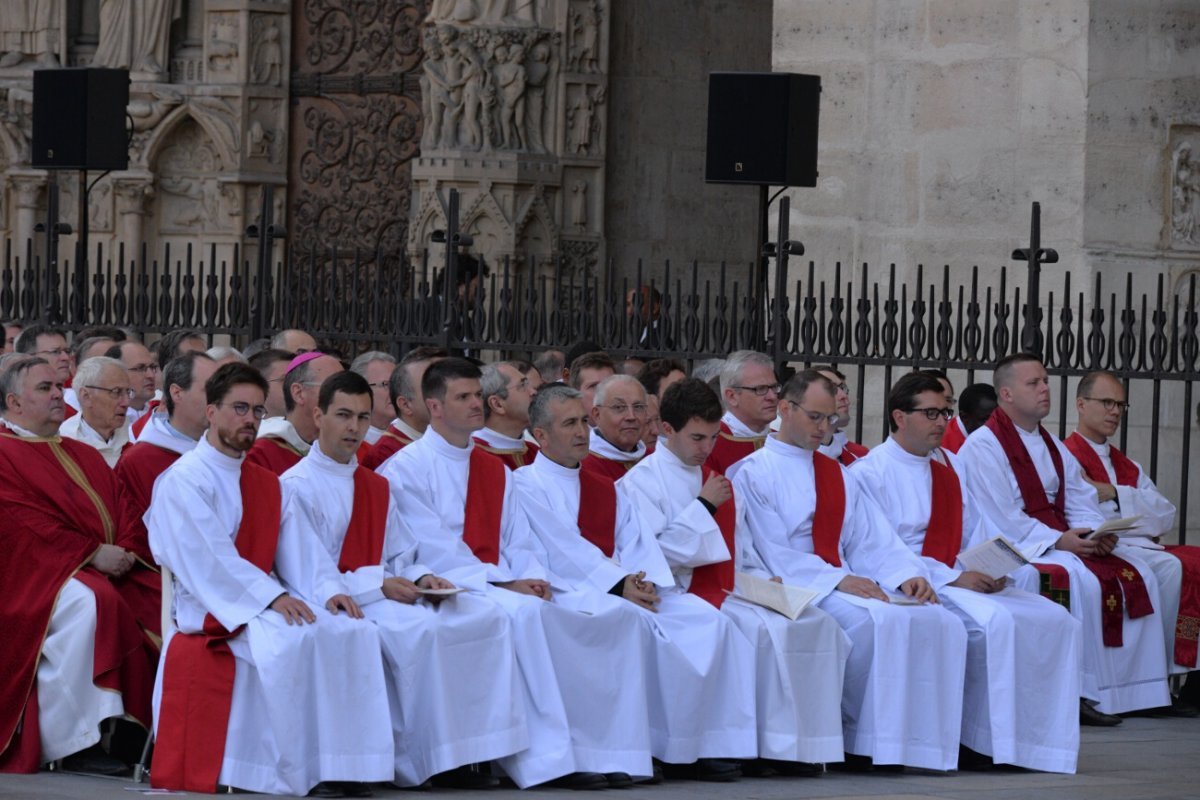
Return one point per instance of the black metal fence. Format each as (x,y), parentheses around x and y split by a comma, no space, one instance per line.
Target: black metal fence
(870,323)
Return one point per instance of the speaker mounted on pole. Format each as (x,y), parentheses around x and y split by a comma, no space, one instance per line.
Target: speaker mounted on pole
(79,119)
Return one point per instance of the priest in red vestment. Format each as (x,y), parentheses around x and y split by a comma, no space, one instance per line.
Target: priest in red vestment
(412,417)
(75,656)
(507,394)
(618,419)
(750,394)
(283,441)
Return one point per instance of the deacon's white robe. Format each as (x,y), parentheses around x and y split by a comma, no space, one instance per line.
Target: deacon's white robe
(902,701)
(582,658)
(306,698)
(282,428)
(602,447)
(798,665)
(1157,519)
(1121,679)
(373,434)
(1020,704)
(446,711)
(702,697)
(160,432)
(78,429)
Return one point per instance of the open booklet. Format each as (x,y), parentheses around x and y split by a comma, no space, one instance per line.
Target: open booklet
(790,601)
(1126,526)
(995,558)
(440,592)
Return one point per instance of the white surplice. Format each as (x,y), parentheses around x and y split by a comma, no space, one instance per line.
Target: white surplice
(497,440)
(798,664)
(306,698)
(282,428)
(78,429)
(605,449)
(1121,679)
(161,433)
(703,695)
(902,699)
(583,659)
(373,434)
(1157,519)
(446,711)
(1020,704)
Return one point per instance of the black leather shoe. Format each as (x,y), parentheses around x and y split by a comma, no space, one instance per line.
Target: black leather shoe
(356,789)
(714,770)
(326,789)
(580,781)
(655,778)
(94,761)
(1089,715)
(618,780)
(972,760)
(794,769)
(468,776)
(757,768)
(852,762)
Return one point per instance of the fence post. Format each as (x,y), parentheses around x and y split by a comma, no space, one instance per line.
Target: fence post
(1034,255)
(266,232)
(780,249)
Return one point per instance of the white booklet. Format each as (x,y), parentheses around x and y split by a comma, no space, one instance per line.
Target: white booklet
(790,601)
(440,592)
(1125,525)
(901,599)
(995,558)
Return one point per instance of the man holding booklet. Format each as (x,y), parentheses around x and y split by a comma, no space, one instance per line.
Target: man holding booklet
(1022,677)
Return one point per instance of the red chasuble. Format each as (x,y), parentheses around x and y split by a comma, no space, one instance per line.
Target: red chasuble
(197,680)
(943,535)
(1120,583)
(511,458)
(953,438)
(367,529)
(60,504)
(485,505)
(852,452)
(711,581)
(1187,623)
(142,421)
(731,449)
(830,511)
(391,442)
(597,516)
(274,455)
(606,467)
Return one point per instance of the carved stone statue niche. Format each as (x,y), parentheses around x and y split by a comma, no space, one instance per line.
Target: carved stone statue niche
(135,34)
(31,28)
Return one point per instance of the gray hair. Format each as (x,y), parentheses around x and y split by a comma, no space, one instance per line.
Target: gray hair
(493,383)
(708,369)
(359,365)
(731,372)
(611,382)
(12,377)
(539,409)
(224,351)
(550,364)
(91,369)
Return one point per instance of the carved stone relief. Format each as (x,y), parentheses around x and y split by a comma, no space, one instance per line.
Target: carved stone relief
(190,197)
(266,53)
(221,46)
(1185,190)
(32,30)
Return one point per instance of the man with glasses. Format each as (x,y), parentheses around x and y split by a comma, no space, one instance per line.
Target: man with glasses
(259,690)
(283,441)
(49,343)
(1022,682)
(143,376)
(167,349)
(1026,482)
(1125,490)
(404,395)
(102,386)
(837,445)
(272,364)
(618,419)
(376,367)
(507,394)
(815,527)
(750,394)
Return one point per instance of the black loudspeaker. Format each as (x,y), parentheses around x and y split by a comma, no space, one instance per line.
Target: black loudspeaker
(79,118)
(762,128)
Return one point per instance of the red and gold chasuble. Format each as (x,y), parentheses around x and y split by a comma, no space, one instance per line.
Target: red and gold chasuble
(512,458)
(391,442)
(731,449)
(606,467)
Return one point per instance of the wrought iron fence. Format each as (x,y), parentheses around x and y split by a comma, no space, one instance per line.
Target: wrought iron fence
(872,325)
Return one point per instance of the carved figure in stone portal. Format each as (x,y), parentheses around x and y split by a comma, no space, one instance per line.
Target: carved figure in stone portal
(585,36)
(266,61)
(30,29)
(1185,195)
(473,79)
(581,121)
(579,204)
(435,94)
(537,73)
(135,34)
(453,70)
(510,77)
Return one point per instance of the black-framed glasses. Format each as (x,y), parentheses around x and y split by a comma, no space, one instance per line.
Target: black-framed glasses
(1110,404)
(378,385)
(816,417)
(143,368)
(933,413)
(760,390)
(114,391)
(242,409)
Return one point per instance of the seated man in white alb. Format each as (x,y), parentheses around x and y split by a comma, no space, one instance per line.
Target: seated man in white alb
(704,699)
(1022,684)
(256,690)
(583,665)
(815,528)
(1028,486)
(507,394)
(701,529)
(102,388)
(1125,490)
(447,713)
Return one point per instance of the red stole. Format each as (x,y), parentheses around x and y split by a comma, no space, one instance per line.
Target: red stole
(954,437)
(363,545)
(60,501)
(140,424)
(274,455)
(943,535)
(485,504)
(197,685)
(731,449)
(1120,583)
(392,441)
(597,516)
(606,467)
(513,459)
(1093,467)
(711,581)
(852,452)
(830,510)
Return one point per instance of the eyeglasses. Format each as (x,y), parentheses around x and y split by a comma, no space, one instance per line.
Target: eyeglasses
(1110,404)
(840,387)
(242,409)
(933,413)
(620,409)
(816,417)
(378,385)
(143,368)
(760,390)
(58,351)
(115,392)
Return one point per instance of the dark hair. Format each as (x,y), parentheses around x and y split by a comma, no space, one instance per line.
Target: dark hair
(539,409)
(102,332)
(1088,382)
(974,401)
(595,360)
(27,341)
(433,382)
(180,371)
(903,396)
(399,384)
(345,382)
(686,399)
(798,384)
(217,387)
(263,360)
(549,365)
(166,349)
(80,345)
(830,368)
(652,373)
(1003,369)
(578,349)
(941,375)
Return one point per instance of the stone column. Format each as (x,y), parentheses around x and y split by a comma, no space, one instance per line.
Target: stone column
(133,194)
(28,186)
